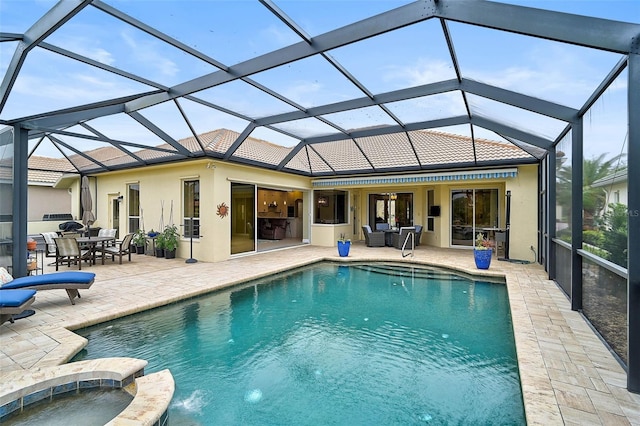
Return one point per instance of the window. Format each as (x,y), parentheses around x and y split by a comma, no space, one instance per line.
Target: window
(330,206)
(431,210)
(133,199)
(191,208)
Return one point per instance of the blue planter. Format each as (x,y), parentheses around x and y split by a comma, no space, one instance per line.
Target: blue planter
(343,248)
(482,258)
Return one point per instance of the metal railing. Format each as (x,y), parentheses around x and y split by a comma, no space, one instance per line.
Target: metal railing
(410,236)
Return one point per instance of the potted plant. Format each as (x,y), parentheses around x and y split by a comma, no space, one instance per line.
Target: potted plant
(170,237)
(138,240)
(482,251)
(343,246)
(159,246)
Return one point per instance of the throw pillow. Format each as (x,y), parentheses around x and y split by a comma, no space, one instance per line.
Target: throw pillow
(5,276)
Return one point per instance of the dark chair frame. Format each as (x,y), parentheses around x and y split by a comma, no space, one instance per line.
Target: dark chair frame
(120,249)
(398,239)
(68,251)
(373,238)
(418,234)
(49,244)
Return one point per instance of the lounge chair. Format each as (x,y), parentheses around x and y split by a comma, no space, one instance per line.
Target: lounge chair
(13,302)
(373,239)
(71,281)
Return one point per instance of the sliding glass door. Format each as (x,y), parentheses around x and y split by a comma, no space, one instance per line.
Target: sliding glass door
(243,202)
(472,211)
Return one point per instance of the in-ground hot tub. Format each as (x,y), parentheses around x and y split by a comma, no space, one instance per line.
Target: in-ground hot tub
(151,394)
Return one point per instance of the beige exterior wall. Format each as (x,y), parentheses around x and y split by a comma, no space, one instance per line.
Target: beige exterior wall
(45,199)
(163,184)
(620,188)
(524,213)
(524,210)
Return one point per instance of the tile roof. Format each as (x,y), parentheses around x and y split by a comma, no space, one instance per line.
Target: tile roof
(410,150)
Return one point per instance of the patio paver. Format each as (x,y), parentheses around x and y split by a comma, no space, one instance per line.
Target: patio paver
(568,376)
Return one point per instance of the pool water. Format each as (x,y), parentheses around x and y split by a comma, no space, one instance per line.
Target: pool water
(87,408)
(328,344)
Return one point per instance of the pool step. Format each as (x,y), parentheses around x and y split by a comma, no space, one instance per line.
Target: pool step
(405,272)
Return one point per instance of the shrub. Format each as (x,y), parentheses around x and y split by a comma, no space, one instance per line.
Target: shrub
(595,238)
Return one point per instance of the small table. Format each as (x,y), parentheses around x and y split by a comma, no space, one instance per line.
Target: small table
(92,242)
(150,249)
(388,236)
(36,264)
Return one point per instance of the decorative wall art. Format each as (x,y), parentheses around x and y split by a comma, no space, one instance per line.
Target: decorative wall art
(223,210)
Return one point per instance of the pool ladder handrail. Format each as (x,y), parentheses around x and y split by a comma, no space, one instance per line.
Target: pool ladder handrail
(412,236)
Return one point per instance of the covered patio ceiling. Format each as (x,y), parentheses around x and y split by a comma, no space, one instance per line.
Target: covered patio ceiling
(366,87)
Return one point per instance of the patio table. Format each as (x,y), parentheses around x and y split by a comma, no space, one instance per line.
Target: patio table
(92,242)
(388,236)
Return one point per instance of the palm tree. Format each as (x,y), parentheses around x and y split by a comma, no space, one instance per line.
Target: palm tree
(593,199)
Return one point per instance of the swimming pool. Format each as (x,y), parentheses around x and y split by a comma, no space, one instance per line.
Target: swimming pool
(329,344)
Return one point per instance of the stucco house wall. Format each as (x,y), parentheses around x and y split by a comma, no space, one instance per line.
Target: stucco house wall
(524,209)
(45,200)
(162,186)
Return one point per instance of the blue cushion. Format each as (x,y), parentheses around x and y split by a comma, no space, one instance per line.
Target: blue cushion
(15,298)
(56,278)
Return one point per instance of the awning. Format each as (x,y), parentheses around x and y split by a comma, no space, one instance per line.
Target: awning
(417,178)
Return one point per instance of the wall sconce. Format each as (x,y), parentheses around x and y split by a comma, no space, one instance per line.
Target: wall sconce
(394,196)
(120,198)
(285,202)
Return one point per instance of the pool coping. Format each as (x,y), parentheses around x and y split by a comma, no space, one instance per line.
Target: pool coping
(151,394)
(567,374)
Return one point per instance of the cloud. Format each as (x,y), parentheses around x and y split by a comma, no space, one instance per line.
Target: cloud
(301,91)
(280,36)
(147,53)
(33,94)
(86,46)
(564,74)
(424,71)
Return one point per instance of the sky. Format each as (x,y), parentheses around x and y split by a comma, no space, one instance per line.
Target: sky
(234,31)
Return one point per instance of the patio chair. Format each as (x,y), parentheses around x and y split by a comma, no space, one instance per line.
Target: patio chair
(418,234)
(398,239)
(108,232)
(13,302)
(49,244)
(70,281)
(68,250)
(119,249)
(71,234)
(373,239)
(382,226)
